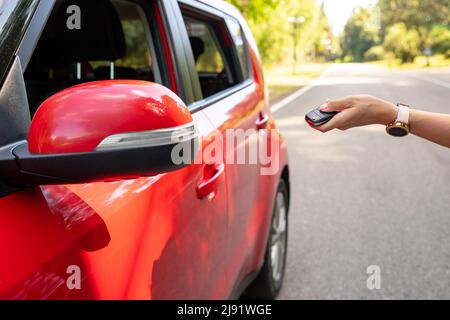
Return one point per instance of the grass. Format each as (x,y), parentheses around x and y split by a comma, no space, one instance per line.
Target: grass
(282,81)
(437,61)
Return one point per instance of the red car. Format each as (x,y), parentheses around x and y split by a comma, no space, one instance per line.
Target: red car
(99,101)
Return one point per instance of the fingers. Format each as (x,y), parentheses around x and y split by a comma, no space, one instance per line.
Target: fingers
(337,105)
(330,125)
(350,113)
(341,121)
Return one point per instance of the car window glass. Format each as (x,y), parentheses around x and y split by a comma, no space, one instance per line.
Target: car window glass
(205,47)
(213,54)
(112,42)
(138,55)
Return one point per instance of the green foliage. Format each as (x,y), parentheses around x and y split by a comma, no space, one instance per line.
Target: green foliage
(421,15)
(440,39)
(425,23)
(138,55)
(274,34)
(256,10)
(404,28)
(402,42)
(360,34)
(267,26)
(375,53)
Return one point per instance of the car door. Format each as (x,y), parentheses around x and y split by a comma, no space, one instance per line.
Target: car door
(234,103)
(159,237)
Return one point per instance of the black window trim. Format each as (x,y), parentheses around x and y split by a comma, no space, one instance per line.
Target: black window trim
(246,49)
(34,31)
(171,19)
(206,102)
(13,37)
(206,10)
(155,42)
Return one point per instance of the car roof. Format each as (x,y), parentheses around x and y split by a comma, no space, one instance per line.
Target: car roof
(223,6)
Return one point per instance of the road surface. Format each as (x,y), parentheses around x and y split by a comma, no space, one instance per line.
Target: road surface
(362,198)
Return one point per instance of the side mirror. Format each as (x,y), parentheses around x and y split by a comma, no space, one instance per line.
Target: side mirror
(101,131)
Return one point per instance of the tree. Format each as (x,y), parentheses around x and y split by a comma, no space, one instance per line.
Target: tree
(402,42)
(271,34)
(440,39)
(419,15)
(360,34)
(375,53)
(274,34)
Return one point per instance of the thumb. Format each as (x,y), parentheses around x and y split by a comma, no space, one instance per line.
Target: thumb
(336,105)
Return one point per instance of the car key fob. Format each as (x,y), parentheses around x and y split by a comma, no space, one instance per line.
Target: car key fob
(317,118)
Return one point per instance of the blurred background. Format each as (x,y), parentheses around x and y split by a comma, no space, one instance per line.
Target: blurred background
(297,38)
(360,198)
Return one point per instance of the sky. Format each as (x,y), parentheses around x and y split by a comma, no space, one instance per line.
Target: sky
(339,11)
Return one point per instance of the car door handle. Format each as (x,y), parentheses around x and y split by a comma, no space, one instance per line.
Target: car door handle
(212,178)
(263,120)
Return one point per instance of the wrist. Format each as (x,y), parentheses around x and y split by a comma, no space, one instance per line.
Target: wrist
(387,113)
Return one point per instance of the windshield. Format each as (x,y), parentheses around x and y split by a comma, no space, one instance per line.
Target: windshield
(14,18)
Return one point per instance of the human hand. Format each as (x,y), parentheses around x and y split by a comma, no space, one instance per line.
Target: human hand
(357,111)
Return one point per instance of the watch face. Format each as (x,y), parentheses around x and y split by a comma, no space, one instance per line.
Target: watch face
(397,131)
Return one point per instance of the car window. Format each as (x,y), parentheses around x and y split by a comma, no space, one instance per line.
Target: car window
(212,49)
(138,55)
(205,46)
(239,42)
(112,41)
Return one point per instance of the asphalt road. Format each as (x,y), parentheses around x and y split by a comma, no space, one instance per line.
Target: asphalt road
(362,198)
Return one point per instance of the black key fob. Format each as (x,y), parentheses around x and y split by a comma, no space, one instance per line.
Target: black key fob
(317,118)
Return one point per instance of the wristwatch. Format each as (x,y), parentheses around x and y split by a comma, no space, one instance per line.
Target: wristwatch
(400,127)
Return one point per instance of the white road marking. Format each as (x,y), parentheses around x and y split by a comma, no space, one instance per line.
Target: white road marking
(284,102)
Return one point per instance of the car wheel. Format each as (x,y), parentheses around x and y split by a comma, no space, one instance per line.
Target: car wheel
(268,283)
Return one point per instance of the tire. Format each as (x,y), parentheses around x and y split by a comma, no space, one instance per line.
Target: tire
(267,284)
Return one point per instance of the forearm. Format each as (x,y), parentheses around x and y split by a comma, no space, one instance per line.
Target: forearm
(362,110)
(434,127)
